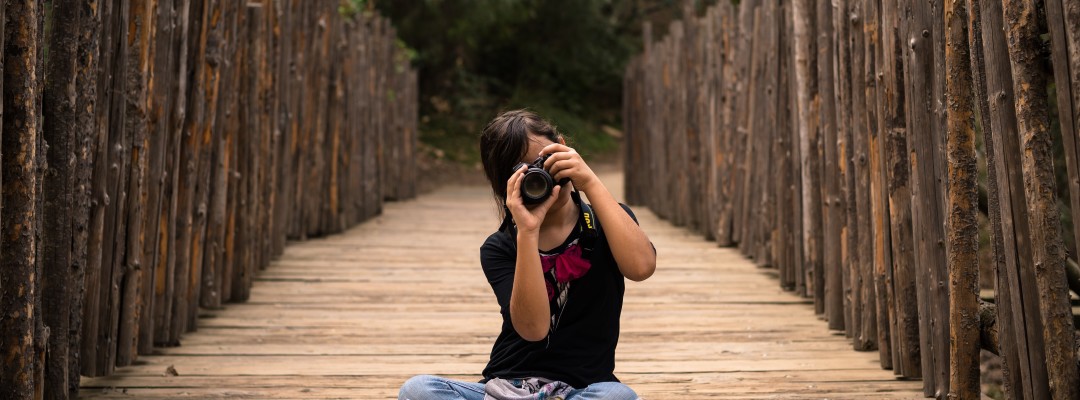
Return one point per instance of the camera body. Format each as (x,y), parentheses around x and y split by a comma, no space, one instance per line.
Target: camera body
(537,184)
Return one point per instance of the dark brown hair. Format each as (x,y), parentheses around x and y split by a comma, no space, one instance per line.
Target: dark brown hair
(504,142)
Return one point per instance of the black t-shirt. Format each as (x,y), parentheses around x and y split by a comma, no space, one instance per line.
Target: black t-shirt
(580,347)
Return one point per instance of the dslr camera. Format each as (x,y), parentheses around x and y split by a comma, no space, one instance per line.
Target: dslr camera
(537,183)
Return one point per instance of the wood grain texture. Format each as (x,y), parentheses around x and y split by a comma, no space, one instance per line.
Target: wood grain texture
(354,315)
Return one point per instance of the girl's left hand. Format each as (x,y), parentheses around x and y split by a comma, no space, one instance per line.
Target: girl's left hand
(565,162)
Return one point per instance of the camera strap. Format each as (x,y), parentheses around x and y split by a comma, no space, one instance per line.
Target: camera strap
(588,226)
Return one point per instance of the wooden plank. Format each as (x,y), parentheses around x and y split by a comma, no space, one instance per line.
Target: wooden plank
(287,342)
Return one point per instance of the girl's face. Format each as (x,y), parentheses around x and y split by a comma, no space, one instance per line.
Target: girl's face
(537,143)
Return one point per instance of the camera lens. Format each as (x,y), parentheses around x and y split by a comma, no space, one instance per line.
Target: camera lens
(535,186)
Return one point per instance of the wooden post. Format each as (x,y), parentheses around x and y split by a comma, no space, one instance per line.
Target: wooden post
(845,200)
(880,258)
(22,42)
(925,208)
(865,333)
(1022,30)
(805,50)
(897,165)
(1015,283)
(1005,328)
(962,227)
(1063,19)
(830,276)
(138,39)
(864,129)
(86,104)
(787,230)
(741,124)
(59,128)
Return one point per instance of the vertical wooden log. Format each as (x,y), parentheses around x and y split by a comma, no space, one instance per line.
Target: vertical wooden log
(258,132)
(173,228)
(879,259)
(1006,330)
(210,145)
(59,128)
(939,273)
(1029,81)
(726,147)
(90,48)
(1015,283)
(690,138)
(845,211)
(677,124)
(708,119)
(22,42)
(926,217)
(243,133)
(764,131)
(787,230)
(86,103)
(161,94)
(113,196)
(962,227)
(188,169)
(865,333)
(316,180)
(220,168)
(751,144)
(897,166)
(805,28)
(740,125)
(832,295)
(1064,23)
(138,38)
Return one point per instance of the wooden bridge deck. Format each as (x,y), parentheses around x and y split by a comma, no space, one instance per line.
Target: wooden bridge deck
(354,315)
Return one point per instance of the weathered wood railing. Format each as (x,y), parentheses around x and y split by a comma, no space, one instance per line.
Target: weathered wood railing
(835,141)
(164,150)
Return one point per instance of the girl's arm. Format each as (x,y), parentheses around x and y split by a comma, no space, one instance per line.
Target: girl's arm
(629,244)
(631,247)
(530,312)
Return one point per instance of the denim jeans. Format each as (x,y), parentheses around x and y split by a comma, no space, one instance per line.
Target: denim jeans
(427,387)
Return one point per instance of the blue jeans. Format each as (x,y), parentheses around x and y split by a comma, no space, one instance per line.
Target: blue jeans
(427,387)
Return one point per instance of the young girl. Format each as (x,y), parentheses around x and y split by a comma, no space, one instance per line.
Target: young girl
(557,270)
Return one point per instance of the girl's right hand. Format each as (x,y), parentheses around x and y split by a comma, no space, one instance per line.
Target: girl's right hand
(528,220)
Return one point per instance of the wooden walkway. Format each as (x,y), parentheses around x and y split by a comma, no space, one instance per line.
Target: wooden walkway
(354,315)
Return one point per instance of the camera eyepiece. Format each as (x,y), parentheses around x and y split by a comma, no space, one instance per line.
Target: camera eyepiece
(537,183)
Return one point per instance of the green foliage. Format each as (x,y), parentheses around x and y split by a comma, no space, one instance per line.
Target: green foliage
(561,58)
(350,8)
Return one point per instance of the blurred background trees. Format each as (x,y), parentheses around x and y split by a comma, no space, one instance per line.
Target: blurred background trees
(561,58)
